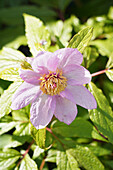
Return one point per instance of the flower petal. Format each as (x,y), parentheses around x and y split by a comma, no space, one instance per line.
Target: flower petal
(42,111)
(68,56)
(68,95)
(65,111)
(41,60)
(76,75)
(47,60)
(52,63)
(24,95)
(29,76)
(83,97)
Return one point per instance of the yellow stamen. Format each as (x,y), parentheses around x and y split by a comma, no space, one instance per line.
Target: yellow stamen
(53,83)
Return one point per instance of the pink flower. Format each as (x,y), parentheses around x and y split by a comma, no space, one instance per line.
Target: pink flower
(54,86)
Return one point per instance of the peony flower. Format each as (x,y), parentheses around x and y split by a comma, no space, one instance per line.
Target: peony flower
(54,85)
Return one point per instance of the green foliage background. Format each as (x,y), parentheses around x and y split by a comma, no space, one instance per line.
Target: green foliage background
(87,143)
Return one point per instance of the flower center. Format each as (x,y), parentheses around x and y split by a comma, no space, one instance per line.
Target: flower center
(53,83)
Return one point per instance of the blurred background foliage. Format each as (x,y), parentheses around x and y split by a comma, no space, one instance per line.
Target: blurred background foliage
(11,11)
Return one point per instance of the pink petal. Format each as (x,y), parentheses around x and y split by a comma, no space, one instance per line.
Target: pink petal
(65,111)
(24,95)
(76,75)
(29,76)
(40,53)
(42,111)
(68,56)
(30,59)
(83,97)
(52,63)
(47,60)
(41,60)
(68,95)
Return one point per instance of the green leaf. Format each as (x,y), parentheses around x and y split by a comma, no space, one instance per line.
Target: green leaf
(11,141)
(10,74)
(9,34)
(27,163)
(5,127)
(109,163)
(62,161)
(8,157)
(90,55)
(110,62)
(66,161)
(37,34)
(97,24)
(21,115)
(51,156)
(81,39)
(72,161)
(39,136)
(99,150)
(37,151)
(110,13)
(78,128)
(109,65)
(105,47)
(102,117)
(86,158)
(10,58)
(17,42)
(6,98)
(59,33)
(109,73)
(22,129)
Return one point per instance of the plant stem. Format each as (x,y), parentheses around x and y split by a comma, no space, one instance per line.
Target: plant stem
(49,130)
(42,164)
(25,152)
(99,72)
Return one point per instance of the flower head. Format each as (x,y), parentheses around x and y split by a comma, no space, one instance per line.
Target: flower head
(54,85)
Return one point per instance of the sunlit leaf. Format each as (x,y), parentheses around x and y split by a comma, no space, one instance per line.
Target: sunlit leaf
(37,151)
(5,127)
(105,47)
(37,34)
(66,161)
(109,73)
(39,136)
(86,158)
(51,156)
(110,62)
(10,58)
(16,43)
(28,163)
(12,141)
(81,39)
(8,157)
(6,98)
(11,74)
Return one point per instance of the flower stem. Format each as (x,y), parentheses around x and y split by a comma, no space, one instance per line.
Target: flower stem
(99,72)
(42,164)
(25,152)
(49,130)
